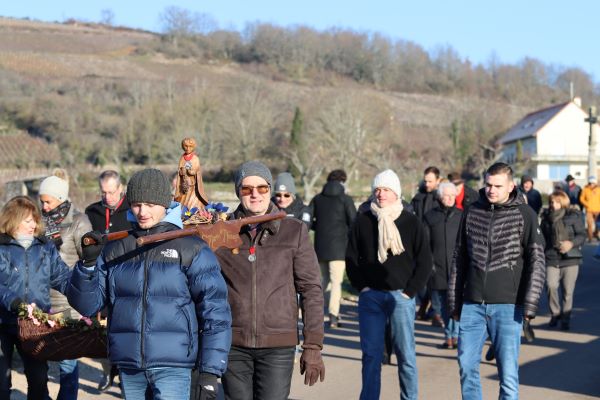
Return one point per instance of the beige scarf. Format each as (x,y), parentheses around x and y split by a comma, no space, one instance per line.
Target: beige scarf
(389,237)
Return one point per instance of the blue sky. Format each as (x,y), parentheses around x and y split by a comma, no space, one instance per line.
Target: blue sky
(555,32)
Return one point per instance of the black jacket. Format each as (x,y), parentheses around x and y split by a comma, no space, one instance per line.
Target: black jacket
(333,212)
(442,225)
(534,199)
(423,202)
(298,210)
(471,196)
(573,221)
(96,213)
(409,270)
(499,256)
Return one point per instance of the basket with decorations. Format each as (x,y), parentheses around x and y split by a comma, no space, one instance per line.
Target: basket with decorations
(51,337)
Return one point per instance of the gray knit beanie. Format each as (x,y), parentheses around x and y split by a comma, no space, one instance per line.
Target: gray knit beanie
(149,186)
(285,183)
(252,168)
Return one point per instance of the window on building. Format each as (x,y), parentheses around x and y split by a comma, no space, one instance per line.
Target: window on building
(558,171)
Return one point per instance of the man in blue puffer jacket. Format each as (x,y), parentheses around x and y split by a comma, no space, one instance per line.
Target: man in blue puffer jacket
(167,301)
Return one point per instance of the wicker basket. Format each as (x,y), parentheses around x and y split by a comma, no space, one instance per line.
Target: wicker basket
(57,343)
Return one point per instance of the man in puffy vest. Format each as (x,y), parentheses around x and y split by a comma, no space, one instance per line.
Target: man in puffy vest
(496,278)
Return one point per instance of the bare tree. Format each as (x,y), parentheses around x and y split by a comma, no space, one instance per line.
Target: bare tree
(107,17)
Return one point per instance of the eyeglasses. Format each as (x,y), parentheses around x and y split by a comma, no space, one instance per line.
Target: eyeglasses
(286,195)
(261,189)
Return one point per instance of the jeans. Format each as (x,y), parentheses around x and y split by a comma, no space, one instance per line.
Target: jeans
(169,383)
(374,308)
(69,380)
(503,323)
(439,305)
(264,374)
(36,371)
(332,274)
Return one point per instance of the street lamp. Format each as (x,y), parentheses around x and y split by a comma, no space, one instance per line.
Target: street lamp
(592,119)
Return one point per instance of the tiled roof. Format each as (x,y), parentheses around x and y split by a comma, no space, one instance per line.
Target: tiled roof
(531,123)
(21,150)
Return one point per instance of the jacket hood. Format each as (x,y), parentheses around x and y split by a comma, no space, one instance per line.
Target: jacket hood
(515,198)
(333,189)
(173,215)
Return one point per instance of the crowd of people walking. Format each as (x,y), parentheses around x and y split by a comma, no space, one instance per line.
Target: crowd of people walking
(181,315)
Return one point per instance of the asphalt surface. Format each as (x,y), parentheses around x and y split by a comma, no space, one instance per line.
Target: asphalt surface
(557,365)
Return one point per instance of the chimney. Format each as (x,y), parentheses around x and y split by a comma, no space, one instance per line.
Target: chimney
(577,101)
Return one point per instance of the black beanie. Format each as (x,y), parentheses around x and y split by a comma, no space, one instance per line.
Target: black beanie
(149,186)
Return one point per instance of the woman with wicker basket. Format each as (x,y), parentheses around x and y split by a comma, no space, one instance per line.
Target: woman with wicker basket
(29,267)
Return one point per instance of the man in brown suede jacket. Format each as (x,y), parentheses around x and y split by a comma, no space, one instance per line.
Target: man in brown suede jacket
(264,275)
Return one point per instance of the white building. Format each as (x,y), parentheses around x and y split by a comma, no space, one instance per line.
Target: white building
(553,142)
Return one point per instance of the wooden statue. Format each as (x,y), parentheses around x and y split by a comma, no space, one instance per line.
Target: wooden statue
(189,190)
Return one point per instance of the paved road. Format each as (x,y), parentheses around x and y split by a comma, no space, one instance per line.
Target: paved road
(558,365)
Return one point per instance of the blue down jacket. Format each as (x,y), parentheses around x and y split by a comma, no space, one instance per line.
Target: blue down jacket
(167,301)
(29,274)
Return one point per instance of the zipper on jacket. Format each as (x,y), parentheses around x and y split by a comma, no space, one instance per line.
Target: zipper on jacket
(26,278)
(489,255)
(144,305)
(254,273)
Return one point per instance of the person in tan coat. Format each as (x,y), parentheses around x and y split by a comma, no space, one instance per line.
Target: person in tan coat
(590,200)
(65,226)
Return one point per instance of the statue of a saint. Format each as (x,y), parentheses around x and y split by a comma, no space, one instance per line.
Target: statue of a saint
(189,190)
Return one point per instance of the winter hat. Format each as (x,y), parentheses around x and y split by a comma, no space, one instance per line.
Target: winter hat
(592,179)
(252,168)
(55,187)
(387,179)
(149,186)
(569,178)
(285,183)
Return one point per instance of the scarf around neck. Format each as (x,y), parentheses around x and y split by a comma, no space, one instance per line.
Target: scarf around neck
(52,220)
(559,230)
(389,236)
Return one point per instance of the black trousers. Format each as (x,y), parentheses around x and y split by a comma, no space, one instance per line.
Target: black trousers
(259,374)
(36,371)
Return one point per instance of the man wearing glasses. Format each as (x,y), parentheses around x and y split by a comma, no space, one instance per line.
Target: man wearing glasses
(275,262)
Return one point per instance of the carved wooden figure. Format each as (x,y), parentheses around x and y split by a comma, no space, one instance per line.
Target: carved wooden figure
(189,190)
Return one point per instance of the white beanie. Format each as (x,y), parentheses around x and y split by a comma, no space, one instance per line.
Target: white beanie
(55,187)
(387,179)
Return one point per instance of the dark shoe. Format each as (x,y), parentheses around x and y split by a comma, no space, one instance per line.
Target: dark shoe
(105,383)
(387,359)
(491,354)
(437,321)
(334,321)
(447,344)
(554,321)
(528,331)
(565,325)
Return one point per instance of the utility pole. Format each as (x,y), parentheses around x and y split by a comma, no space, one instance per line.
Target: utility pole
(592,119)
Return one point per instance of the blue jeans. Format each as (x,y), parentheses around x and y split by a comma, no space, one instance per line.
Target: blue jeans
(69,380)
(440,307)
(168,383)
(374,308)
(503,323)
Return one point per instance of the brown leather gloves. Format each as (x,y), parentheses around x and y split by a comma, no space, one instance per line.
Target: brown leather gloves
(311,365)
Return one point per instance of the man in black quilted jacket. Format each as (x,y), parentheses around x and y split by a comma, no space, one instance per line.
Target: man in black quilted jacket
(496,279)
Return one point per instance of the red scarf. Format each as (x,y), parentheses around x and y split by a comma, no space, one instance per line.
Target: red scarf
(188,157)
(459,199)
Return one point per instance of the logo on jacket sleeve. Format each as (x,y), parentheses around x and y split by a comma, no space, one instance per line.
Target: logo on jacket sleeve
(170,253)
